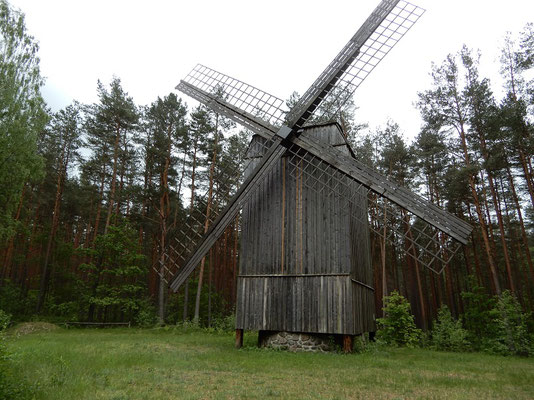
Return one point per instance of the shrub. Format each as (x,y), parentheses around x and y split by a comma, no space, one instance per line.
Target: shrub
(511,336)
(479,315)
(146,314)
(224,324)
(398,326)
(15,302)
(5,320)
(11,386)
(448,334)
(176,304)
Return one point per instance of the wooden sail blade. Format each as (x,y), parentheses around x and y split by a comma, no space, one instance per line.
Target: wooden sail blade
(323,158)
(217,228)
(382,186)
(386,25)
(237,94)
(222,106)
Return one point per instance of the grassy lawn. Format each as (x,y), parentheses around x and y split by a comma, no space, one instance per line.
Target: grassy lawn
(157,364)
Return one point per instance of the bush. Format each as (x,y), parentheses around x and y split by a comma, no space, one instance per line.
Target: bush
(5,320)
(15,302)
(176,305)
(146,314)
(397,327)
(224,324)
(511,336)
(479,315)
(448,334)
(11,387)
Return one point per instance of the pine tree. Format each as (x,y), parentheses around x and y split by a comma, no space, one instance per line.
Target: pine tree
(481,112)
(165,121)
(444,106)
(62,143)
(22,113)
(110,125)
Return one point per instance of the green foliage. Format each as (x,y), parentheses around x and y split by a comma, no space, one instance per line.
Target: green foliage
(511,335)
(146,314)
(478,314)
(495,324)
(5,320)
(448,334)
(22,113)
(176,305)
(224,323)
(398,326)
(15,302)
(11,387)
(115,284)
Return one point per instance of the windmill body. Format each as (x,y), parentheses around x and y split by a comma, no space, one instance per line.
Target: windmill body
(305,257)
(305,253)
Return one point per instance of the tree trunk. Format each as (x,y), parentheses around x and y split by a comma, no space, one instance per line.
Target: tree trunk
(481,217)
(164,210)
(521,222)
(5,272)
(383,258)
(191,210)
(498,212)
(207,220)
(45,272)
(99,204)
(113,178)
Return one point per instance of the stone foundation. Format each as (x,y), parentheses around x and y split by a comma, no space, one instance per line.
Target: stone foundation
(292,341)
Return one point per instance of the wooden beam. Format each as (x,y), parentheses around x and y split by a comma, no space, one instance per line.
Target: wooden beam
(417,205)
(424,209)
(347,343)
(218,226)
(238,338)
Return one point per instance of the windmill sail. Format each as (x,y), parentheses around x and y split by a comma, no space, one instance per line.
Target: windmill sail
(432,239)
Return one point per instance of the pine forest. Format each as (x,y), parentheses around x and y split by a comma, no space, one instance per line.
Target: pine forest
(94,196)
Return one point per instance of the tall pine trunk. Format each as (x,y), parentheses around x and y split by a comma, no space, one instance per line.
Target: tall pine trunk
(207,220)
(112,189)
(45,271)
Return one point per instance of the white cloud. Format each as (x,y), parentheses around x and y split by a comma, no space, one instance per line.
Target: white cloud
(278,46)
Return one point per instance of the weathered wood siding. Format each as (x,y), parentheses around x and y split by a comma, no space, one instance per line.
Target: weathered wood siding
(304,261)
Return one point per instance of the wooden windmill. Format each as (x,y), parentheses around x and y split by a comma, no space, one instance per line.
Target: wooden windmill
(305,200)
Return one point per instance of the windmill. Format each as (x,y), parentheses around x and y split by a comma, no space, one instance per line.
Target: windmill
(306,200)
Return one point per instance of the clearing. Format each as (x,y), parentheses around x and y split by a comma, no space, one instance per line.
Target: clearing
(124,363)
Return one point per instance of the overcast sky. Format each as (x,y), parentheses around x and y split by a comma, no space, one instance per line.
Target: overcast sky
(277,46)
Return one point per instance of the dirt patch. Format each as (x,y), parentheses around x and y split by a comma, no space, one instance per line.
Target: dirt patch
(26,328)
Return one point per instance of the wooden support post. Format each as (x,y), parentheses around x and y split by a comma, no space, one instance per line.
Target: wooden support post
(347,343)
(238,338)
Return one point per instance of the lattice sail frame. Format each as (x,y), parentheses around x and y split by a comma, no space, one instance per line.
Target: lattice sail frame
(414,237)
(272,110)
(263,114)
(371,44)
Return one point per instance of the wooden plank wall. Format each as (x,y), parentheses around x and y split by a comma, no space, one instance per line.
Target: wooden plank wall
(299,259)
(319,304)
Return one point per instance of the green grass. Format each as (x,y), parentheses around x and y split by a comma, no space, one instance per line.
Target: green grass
(157,364)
